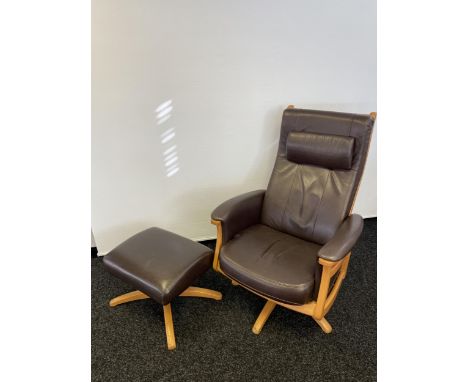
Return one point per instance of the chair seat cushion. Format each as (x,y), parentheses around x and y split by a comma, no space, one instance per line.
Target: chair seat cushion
(273,264)
(159,263)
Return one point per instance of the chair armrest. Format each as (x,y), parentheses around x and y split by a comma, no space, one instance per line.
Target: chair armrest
(344,239)
(239,213)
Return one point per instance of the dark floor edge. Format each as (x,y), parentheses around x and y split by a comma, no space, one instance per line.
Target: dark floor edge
(208,243)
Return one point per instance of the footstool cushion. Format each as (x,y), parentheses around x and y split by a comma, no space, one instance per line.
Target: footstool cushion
(159,263)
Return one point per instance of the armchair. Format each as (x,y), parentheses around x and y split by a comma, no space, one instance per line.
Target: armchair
(291,243)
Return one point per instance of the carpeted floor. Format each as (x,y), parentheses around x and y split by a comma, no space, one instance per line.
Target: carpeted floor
(215,341)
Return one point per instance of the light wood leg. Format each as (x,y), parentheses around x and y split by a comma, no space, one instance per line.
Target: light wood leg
(201,292)
(235,283)
(170,336)
(324,324)
(189,292)
(263,317)
(127,297)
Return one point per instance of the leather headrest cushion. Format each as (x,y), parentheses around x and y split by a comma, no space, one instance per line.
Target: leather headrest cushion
(329,151)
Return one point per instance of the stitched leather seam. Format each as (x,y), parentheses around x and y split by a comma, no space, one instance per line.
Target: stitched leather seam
(267,294)
(289,194)
(320,202)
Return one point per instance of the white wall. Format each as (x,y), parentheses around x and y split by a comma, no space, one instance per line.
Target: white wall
(212,77)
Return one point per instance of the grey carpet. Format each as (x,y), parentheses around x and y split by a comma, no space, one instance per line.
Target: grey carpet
(215,341)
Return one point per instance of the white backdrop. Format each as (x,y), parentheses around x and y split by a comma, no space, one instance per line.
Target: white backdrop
(187,99)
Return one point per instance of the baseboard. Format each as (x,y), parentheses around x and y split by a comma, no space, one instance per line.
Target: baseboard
(206,241)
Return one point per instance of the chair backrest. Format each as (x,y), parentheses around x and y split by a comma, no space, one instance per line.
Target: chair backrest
(319,165)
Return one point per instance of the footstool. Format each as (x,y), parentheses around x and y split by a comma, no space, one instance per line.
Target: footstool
(160,265)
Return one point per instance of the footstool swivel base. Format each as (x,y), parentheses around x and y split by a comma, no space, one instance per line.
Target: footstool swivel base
(160,265)
(189,292)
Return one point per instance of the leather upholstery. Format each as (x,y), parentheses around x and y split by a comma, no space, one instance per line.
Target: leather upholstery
(343,240)
(307,201)
(159,263)
(273,263)
(329,151)
(304,211)
(239,213)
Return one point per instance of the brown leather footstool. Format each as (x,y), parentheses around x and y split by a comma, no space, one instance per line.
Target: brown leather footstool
(162,266)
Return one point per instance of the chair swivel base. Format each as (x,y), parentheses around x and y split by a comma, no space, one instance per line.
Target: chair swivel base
(306,309)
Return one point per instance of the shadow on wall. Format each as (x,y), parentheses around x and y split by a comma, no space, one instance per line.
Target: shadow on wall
(255,174)
(170,158)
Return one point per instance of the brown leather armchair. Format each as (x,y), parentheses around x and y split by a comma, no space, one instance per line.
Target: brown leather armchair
(291,243)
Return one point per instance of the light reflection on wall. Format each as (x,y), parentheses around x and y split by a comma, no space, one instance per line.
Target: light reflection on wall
(171,161)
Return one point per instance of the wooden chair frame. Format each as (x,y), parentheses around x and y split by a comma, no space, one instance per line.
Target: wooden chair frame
(315,309)
(326,296)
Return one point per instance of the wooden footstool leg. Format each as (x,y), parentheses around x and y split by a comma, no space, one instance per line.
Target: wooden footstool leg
(171,344)
(201,292)
(127,297)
